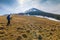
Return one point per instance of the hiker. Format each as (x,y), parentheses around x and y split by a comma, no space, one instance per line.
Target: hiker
(8,19)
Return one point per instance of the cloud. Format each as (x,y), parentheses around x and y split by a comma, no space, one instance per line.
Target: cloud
(52,6)
(7,2)
(50,2)
(55,1)
(43,1)
(16,6)
(8,6)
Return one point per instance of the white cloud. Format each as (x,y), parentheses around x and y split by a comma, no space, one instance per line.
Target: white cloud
(47,6)
(24,5)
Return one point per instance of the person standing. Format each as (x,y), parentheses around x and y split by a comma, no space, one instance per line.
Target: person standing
(8,19)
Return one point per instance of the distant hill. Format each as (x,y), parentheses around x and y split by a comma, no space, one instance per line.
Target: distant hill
(34,11)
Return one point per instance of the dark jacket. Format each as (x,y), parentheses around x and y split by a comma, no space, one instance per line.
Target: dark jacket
(8,17)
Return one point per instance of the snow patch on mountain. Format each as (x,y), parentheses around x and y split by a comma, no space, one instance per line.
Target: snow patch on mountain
(48,18)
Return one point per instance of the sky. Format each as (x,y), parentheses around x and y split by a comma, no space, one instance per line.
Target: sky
(17,6)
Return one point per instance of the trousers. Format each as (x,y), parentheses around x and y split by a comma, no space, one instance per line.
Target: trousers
(8,23)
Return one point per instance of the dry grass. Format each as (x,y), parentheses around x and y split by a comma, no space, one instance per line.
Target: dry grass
(29,28)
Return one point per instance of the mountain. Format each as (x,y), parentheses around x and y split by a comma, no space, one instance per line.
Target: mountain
(34,11)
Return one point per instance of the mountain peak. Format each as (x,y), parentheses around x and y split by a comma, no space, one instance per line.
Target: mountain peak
(32,10)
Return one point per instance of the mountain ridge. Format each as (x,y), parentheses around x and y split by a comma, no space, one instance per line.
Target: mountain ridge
(34,11)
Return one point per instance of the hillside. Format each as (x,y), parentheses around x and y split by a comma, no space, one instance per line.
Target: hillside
(29,28)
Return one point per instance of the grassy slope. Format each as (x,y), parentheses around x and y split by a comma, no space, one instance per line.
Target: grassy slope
(29,28)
